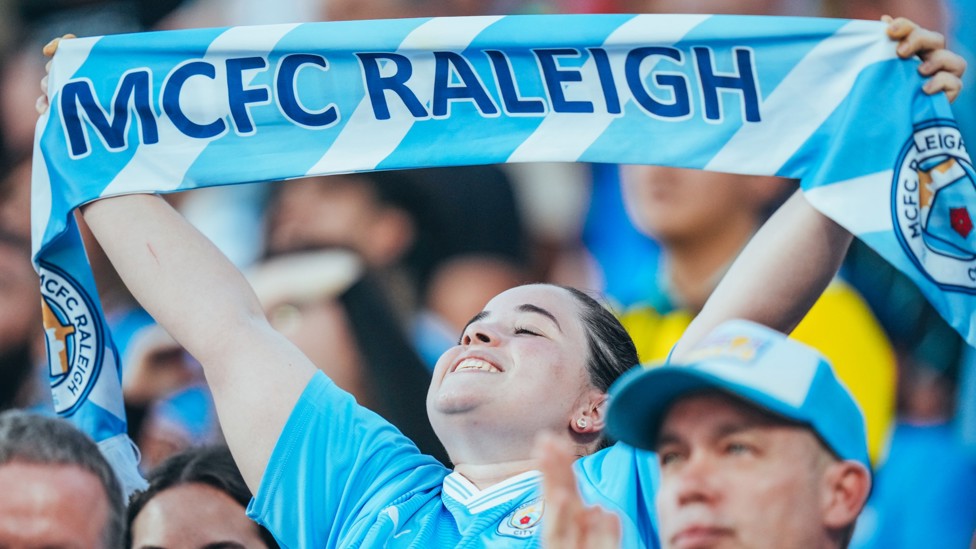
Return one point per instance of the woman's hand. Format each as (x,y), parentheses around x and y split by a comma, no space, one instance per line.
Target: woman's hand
(42,103)
(943,66)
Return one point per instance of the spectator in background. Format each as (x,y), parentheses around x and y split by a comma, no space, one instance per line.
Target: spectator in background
(21,335)
(702,220)
(195,500)
(57,489)
(440,241)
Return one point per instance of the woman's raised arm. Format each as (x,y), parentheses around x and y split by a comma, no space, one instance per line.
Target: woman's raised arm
(203,301)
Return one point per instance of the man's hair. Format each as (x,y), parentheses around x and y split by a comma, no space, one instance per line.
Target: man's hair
(210,465)
(39,440)
(610,349)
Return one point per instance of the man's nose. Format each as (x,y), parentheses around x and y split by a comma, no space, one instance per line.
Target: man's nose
(697,480)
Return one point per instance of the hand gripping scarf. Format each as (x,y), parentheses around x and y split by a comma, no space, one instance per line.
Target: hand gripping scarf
(825,101)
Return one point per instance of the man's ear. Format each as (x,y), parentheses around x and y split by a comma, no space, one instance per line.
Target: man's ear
(846,487)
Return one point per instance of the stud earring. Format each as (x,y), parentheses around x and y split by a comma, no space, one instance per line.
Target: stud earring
(581,423)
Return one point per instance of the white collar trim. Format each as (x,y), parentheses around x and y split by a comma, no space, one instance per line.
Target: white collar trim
(466,493)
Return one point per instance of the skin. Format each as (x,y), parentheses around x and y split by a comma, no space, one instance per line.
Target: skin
(702,219)
(338,211)
(723,460)
(569,524)
(194,516)
(532,355)
(51,507)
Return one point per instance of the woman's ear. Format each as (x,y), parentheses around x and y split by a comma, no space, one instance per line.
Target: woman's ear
(590,417)
(846,487)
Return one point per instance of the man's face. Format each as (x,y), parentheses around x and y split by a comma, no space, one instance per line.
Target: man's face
(677,206)
(322,212)
(51,507)
(733,476)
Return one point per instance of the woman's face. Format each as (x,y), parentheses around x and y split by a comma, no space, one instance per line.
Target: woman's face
(519,368)
(194,516)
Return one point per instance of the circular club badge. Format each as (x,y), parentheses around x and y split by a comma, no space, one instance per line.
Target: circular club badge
(934,206)
(523,521)
(73,335)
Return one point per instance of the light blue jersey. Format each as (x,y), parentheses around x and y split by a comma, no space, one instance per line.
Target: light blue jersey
(341,476)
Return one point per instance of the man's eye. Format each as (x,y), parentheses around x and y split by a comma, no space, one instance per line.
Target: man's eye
(520,330)
(737,448)
(668,458)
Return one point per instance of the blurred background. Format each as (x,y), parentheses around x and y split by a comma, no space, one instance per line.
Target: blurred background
(374,275)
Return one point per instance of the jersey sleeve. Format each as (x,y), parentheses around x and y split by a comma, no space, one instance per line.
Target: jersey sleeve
(624,480)
(335,467)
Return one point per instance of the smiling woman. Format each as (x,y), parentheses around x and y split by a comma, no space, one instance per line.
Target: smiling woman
(326,472)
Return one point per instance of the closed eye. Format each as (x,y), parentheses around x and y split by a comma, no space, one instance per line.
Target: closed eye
(520,330)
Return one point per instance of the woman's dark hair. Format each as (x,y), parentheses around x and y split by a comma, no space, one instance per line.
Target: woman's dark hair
(610,349)
(210,465)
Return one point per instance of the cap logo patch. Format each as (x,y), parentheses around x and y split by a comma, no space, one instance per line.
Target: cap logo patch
(735,347)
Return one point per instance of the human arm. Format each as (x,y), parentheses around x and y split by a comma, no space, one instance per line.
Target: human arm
(779,275)
(203,301)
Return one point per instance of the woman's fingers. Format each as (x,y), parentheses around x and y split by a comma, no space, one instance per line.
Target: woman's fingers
(52,46)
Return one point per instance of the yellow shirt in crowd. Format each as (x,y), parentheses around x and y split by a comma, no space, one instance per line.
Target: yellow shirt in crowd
(839,325)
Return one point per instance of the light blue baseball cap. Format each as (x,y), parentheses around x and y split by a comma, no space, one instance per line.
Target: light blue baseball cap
(753,363)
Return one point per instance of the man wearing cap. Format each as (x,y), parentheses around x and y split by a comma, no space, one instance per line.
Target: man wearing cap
(759,444)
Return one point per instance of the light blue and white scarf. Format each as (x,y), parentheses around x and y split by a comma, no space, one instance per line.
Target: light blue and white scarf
(826,101)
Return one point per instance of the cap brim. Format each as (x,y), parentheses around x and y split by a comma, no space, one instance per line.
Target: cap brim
(641,398)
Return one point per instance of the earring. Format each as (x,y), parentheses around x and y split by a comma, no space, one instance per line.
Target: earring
(581,423)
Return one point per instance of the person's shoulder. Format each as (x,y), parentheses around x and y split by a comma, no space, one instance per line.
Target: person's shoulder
(618,463)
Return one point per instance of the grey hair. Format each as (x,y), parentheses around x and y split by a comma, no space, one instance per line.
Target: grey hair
(36,439)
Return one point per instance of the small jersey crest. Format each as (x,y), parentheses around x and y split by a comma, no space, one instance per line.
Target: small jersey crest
(523,521)
(933,203)
(73,334)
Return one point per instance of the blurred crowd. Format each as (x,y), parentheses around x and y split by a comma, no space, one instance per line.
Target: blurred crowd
(373,275)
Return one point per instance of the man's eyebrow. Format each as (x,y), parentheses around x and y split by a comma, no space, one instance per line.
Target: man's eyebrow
(723,430)
(665,438)
(530,308)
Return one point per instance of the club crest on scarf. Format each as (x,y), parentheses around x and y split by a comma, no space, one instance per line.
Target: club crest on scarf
(934,205)
(522,522)
(73,336)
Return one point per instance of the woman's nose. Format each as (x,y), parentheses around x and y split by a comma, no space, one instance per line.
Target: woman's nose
(480,335)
